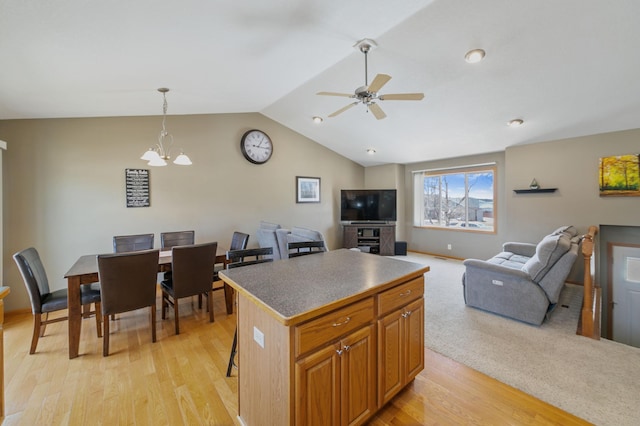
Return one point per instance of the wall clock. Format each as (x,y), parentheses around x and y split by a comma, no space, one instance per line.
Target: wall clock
(256,146)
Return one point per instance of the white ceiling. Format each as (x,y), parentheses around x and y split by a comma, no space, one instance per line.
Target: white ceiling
(567,67)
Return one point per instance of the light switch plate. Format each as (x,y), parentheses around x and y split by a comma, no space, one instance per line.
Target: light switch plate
(258,336)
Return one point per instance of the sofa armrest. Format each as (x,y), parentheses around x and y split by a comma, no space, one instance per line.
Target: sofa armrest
(523,249)
(505,291)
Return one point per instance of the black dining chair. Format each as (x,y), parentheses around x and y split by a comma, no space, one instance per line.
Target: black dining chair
(191,268)
(239,241)
(303,248)
(126,243)
(237,259)
(128,283)
(44,301)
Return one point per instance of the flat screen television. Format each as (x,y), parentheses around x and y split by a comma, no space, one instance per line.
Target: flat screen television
(368,205)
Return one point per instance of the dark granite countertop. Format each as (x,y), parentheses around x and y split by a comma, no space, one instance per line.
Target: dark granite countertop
(292,289)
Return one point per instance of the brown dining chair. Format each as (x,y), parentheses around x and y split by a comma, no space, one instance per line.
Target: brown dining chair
(128,283)
(237,259)
(191,268)
(126,243)
(43,300)
(303,248)
(177,238)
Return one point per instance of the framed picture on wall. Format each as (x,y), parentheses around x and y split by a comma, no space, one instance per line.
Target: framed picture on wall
(619,175)
(307,189)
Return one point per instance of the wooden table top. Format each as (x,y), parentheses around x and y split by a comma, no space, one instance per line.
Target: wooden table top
(88,264)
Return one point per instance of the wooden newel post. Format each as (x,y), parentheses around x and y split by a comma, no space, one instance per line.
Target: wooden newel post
(587,304)
(4,292)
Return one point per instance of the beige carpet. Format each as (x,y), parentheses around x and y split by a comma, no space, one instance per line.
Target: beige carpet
(598,381)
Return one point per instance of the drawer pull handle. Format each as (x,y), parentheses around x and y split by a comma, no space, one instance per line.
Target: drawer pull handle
(406,314)
(339,351)
(408,292)
(346,348)
(337,324)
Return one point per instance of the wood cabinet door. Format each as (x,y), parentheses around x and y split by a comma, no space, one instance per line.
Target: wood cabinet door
(414,339)
(350,237)
(317,384)
(390,356)
(387,240)
(358,376)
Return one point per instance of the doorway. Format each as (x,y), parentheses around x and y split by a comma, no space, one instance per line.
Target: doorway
(624,269)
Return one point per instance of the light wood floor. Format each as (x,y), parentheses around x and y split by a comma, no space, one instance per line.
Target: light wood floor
(180,380)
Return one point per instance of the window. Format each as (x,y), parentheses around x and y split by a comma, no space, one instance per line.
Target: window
(460,199)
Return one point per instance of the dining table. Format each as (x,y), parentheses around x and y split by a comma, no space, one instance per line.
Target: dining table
(85,271)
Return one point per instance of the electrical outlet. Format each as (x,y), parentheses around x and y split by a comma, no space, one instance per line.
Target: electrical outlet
(448,246)
(258,336)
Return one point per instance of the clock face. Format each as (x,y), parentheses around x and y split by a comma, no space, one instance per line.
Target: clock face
(256,146)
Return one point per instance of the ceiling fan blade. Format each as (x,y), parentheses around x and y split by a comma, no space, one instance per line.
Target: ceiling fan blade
(341,110)
(378,82)
(402,97)
(346,95)
(377,112)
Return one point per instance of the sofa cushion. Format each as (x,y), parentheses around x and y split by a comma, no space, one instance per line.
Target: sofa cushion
(508,259)
(548,251)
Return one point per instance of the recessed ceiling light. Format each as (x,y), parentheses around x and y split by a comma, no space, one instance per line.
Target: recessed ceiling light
(371,151)
(317,119)
(474,56)
(515,123)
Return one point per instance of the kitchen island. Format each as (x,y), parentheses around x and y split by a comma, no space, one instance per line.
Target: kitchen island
(326,338)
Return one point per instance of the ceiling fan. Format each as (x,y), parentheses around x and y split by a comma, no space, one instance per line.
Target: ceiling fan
(368,94)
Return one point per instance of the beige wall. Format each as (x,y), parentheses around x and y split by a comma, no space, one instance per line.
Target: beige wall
(64,185)
(571,165)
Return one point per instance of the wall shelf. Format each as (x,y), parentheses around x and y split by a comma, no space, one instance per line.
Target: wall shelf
(533,191)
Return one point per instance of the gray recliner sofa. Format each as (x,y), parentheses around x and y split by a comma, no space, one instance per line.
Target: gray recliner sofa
(524,281)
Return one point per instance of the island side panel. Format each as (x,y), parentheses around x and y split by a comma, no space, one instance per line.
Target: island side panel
(265,387)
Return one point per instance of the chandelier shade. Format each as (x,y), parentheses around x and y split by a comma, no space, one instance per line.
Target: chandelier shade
(160,154)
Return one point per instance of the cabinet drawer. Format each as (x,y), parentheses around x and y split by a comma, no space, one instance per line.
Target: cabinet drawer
(400,295)
(333,325)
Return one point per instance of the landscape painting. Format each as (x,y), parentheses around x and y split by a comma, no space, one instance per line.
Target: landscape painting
(620,175)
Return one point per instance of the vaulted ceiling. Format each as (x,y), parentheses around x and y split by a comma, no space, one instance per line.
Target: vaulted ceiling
(567,68)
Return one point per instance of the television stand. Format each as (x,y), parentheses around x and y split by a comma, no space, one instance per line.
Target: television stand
(378,238)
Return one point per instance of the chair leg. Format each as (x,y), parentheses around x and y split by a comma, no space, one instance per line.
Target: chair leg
(98,308)
(153,323)
(43,324)
(37,320)
(209,296)
(164,306)
(177,315)
(105,337)
(233,352)
(228,298)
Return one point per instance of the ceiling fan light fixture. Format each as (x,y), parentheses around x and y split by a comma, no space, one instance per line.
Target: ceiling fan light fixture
(516,122)
(474,56)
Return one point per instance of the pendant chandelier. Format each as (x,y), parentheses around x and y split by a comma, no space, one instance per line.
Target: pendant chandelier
(159,155)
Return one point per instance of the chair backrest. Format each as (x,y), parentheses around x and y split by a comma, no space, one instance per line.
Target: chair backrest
(238,258)
(192,268)
(239,241)
(302,248)
(128,280)
(179,238)
(33,275)
(127,243)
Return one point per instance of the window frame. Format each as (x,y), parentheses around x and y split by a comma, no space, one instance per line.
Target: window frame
(419,196)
